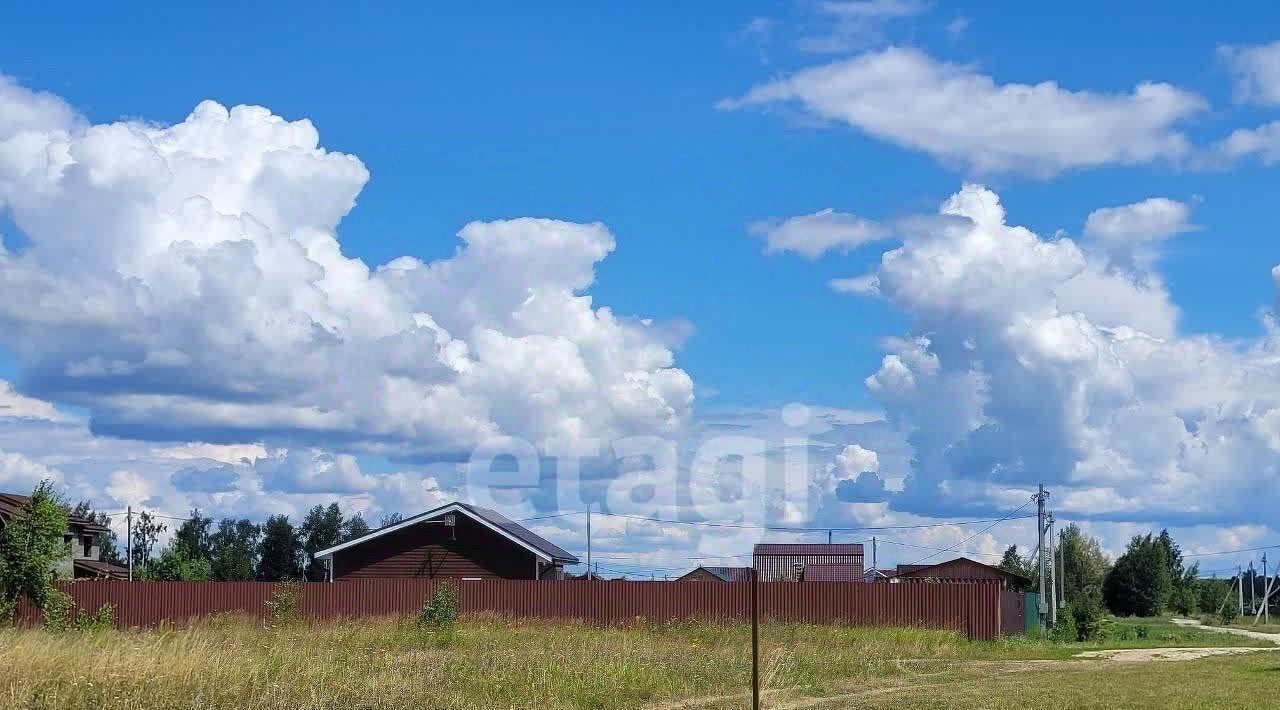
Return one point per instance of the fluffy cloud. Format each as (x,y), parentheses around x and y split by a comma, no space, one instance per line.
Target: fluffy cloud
(19,474)
(813,235)
(16,406)
(1257,71)
(960,116)
(1004,382)
(1129,231)
(1262,142)
(855,459)
(186,282)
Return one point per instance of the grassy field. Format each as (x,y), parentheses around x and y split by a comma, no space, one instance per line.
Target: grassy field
(236,664)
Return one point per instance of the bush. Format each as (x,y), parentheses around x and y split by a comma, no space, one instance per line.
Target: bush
(1184,600)
(441,609)
(60,615)
(1230,614)
(58,610)
(284,606)
(1065,630)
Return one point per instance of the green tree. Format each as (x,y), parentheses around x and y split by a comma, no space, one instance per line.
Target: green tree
(280,551)
(1214,594)
(1183,595)
(1139,583)
(353,527)
(177,564)
(31,545)
(1084,567)
(233,550)
(321,528)
(1017,564)
(146,533)
(194,536)
(390,519)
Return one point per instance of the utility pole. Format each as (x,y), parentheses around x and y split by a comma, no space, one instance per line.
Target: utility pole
(874,565)
(1040,605)
(128,539)
(828,536)
(589,569)
(1266,591)
(1240,587)
(1053,575)
(1062,573)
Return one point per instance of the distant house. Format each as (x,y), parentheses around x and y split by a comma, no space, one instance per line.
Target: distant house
(961,570)
(788,562)
(455,540)
(716,574)
(83,538)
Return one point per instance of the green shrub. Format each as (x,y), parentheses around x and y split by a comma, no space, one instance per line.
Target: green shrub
(1230,614)
(441,609)
(61,615)
(101,620)
(1064,631)
(58,610)
(284,606)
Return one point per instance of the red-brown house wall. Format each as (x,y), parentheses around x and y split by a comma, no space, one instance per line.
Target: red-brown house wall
(428,551)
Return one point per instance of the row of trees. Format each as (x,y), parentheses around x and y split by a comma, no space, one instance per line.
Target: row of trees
(235,549)
(1150,578)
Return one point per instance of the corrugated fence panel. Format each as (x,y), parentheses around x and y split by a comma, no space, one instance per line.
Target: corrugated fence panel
(973,609)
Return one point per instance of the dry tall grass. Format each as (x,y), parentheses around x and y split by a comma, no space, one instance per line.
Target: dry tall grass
(481,664)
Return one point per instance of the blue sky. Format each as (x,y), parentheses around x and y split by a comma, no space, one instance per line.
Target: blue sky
(617,115)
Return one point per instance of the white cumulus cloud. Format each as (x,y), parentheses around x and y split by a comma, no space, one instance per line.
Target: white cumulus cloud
(963,117)
(1010,377)
(187,282)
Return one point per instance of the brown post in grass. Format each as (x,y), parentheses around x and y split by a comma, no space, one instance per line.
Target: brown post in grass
(755,642)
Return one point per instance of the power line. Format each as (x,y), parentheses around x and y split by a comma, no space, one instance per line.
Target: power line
(967,539)
(939,549)
(1230,552)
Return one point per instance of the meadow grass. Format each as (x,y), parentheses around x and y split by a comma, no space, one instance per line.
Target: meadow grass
(235,663)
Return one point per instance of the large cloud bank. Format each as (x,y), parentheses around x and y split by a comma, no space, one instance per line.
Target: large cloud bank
(1033,359)
(187,282)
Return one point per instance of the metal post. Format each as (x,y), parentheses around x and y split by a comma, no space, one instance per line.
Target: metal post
(1053,575)
(1062,572)
(1266,591)
(874,564)
(128,540)
(755,641)
(1040,606)
(1240,587)
(589,569)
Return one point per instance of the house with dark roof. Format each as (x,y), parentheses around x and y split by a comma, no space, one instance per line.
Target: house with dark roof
(960,570)
(457,540)
(789,561)
(716,574)
(83,538)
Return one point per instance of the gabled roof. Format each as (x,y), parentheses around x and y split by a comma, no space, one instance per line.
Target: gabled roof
(97,568)
(12,504)
(932,570)
(730,574)
(491,519)
(807,549)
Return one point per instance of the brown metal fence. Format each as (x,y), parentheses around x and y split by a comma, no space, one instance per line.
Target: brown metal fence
(974,610)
